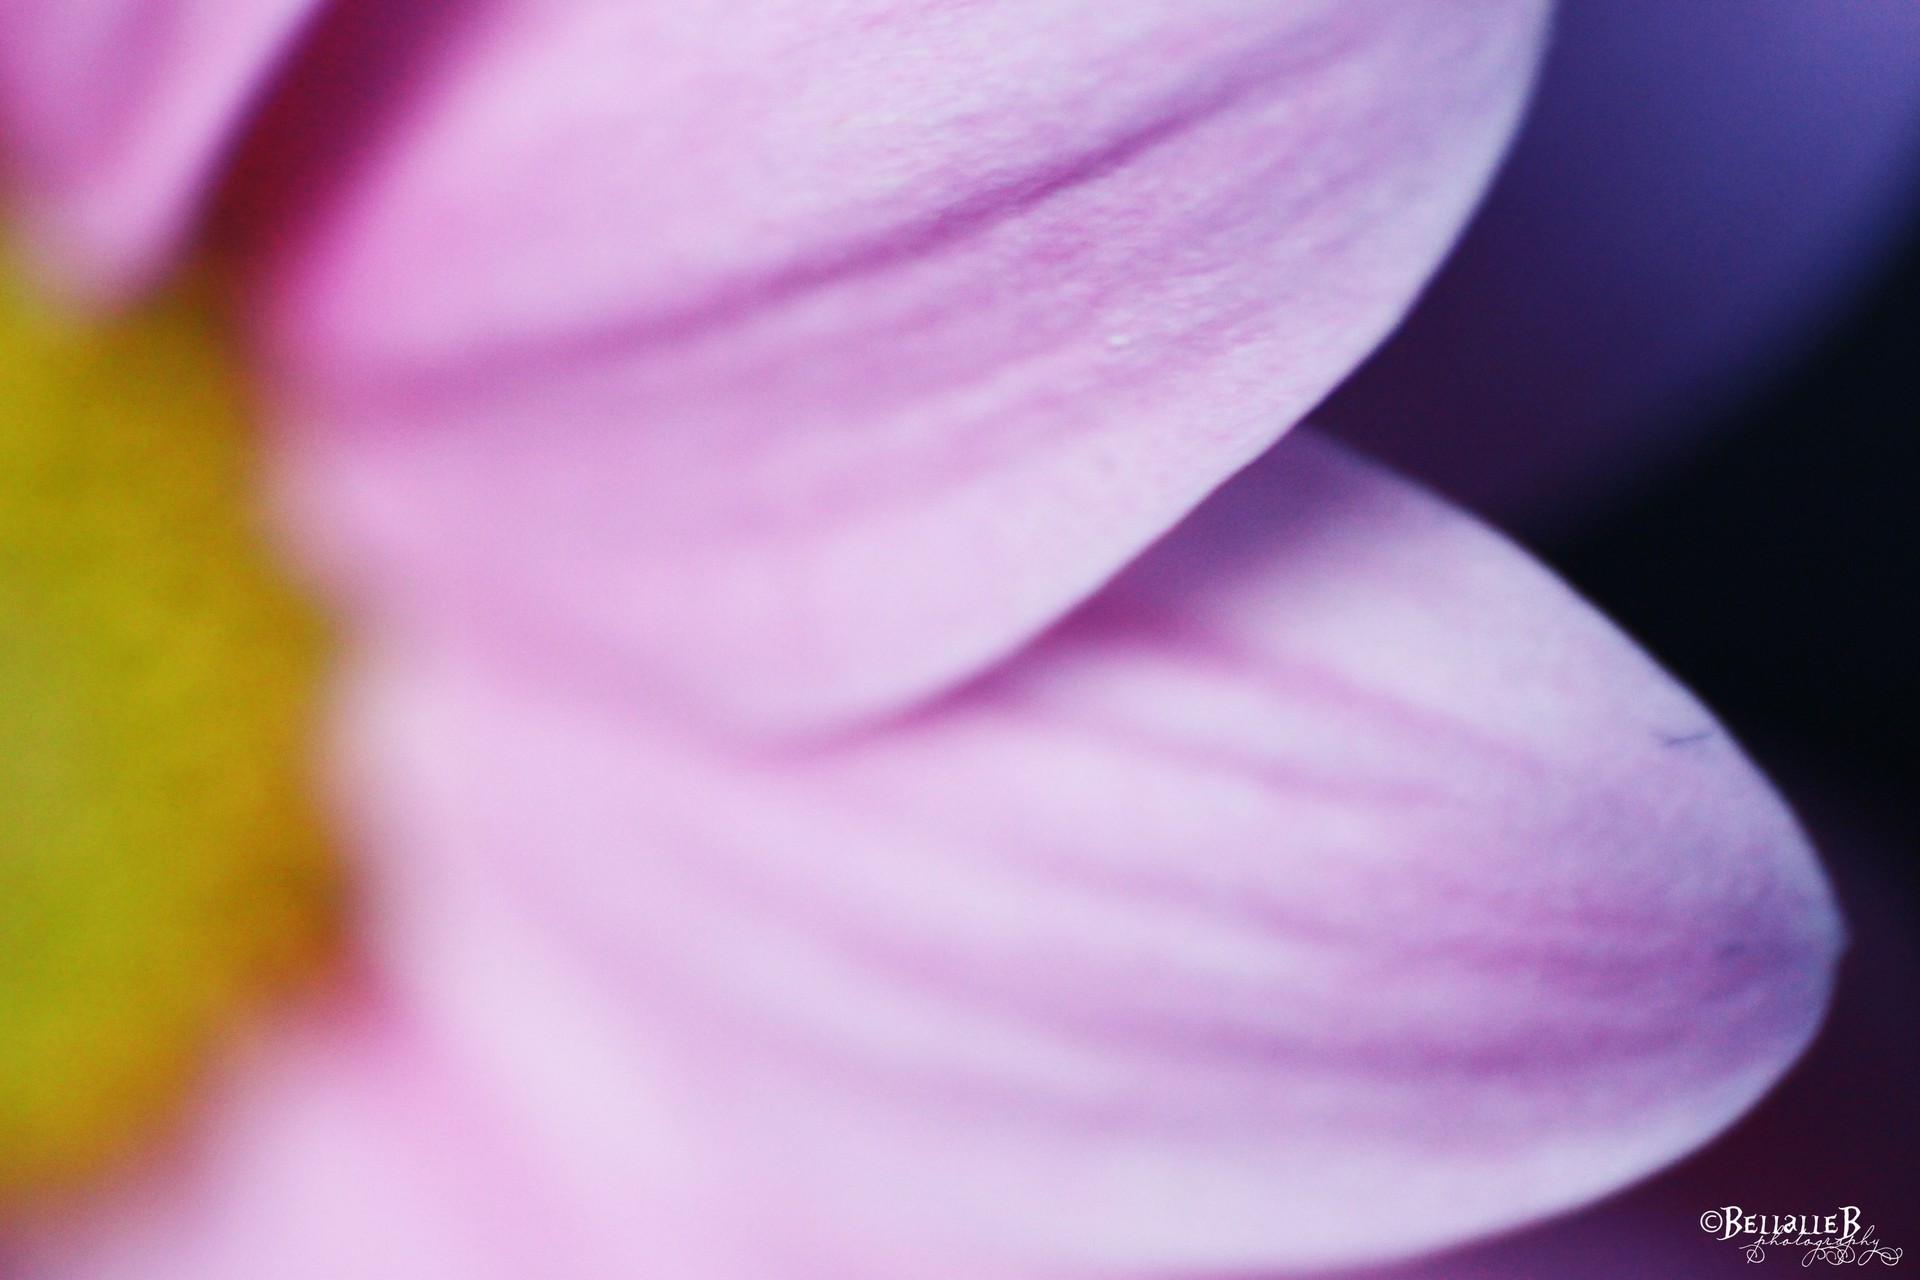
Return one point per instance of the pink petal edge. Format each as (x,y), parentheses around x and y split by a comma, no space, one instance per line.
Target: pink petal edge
(802,361)
(1334,887)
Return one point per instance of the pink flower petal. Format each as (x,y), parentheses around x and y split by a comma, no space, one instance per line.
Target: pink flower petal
(1333,887)
(804,359)
(338,1150)
(115,115)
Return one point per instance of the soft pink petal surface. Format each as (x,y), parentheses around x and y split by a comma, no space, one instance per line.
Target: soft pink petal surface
(800,360)
(338,1149)
(115,116)
(1333,857)
(1843,1129)
(1334,886)
(1701,187)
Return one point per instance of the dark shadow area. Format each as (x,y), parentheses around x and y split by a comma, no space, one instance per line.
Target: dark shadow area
(1776,571)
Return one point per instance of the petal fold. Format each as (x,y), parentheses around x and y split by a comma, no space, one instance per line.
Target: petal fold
(115,116)
(803,360)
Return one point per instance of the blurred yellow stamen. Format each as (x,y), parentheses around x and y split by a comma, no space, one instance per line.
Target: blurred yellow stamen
(161,865)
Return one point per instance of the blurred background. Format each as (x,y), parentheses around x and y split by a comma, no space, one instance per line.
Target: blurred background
(1776,569)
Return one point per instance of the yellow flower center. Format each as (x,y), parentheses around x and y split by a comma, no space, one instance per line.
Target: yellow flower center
(161,865)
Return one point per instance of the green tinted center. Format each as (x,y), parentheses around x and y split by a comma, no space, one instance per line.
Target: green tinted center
(160,863)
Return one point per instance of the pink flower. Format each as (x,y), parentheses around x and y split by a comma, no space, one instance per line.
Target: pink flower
(803,833)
